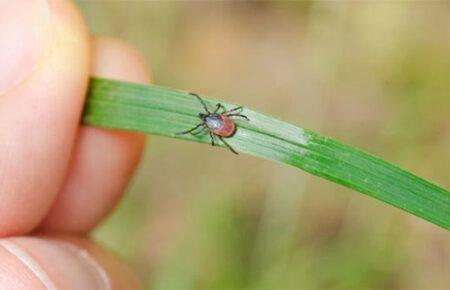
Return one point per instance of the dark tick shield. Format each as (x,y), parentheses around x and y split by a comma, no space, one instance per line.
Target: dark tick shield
(219,123)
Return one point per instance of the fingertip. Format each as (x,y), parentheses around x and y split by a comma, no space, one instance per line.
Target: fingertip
(14,274)
(61,263)
(116,59)
(104,159)
(40,111)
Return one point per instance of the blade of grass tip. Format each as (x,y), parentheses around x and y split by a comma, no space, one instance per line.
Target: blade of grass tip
(162,111)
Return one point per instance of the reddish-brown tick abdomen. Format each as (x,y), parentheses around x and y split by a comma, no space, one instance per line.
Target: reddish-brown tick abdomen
(220,125)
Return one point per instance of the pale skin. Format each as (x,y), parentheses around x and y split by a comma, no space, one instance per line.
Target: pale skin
(59,179)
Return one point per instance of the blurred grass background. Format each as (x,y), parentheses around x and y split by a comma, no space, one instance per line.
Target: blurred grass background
(372,74)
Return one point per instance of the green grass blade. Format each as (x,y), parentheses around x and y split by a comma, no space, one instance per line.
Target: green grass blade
(163,111)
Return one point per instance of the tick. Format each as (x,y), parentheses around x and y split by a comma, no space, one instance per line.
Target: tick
(219,123)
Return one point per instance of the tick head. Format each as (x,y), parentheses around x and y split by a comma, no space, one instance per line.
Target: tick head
(202,116)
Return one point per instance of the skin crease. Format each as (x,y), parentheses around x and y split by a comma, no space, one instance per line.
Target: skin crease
(50,166)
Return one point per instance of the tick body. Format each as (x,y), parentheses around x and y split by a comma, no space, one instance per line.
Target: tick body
(219,123)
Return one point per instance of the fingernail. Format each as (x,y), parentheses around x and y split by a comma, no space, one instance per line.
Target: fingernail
(24,38)
(59,265)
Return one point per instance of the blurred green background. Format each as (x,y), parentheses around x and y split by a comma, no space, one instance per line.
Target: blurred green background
(372,74)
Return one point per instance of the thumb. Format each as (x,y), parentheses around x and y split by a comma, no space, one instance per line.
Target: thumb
(44,57)
(61,263)
(24,40)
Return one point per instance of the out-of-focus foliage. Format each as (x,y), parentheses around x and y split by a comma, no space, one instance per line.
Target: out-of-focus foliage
(375,75)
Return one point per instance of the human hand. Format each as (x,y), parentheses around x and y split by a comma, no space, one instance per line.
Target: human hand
(58,179)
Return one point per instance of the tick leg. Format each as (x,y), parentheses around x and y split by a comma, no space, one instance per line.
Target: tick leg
(238,115)
(218,107)
(228,145)
(235,110)
(212,138)
(201,101)
(201,130)
(191,130)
